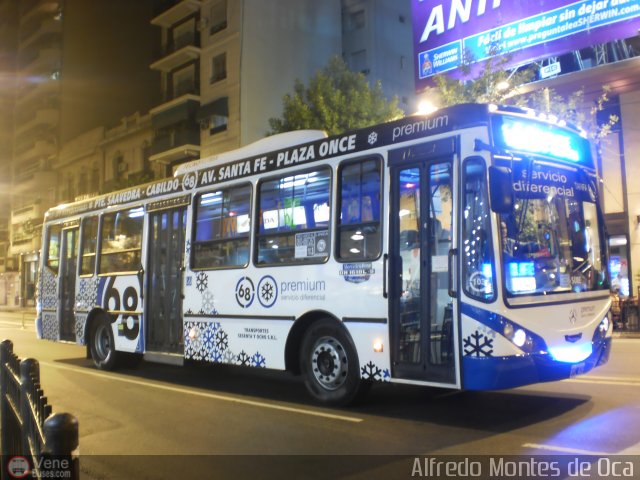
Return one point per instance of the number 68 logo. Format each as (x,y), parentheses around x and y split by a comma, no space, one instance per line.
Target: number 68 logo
(245,292)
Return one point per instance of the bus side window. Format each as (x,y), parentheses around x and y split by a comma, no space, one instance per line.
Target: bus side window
(478,263)
(53,247)
(359,233)
(222,223)
(88,245)
(121,249)
(295,213)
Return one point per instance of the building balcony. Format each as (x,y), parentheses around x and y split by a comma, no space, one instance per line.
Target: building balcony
(34,150)
(47,117)
(35,89)
(177,145)
(45,29)
(176,56)
(31,9)
(40,61)
(176,12)
(30,181)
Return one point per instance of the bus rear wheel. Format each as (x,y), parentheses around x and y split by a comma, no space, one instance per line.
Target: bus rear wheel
(330,365)
(102,345)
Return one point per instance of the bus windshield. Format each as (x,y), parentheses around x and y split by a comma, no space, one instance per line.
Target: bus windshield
(552,241)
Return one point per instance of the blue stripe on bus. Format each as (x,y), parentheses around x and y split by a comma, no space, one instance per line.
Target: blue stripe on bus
(496,322)
(495,373)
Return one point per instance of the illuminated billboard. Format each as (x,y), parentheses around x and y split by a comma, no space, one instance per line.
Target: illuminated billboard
(444,29)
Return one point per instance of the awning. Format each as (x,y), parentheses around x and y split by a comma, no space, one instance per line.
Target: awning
(217,107)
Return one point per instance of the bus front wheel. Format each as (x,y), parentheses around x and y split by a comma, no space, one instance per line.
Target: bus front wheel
(102,345)
(330,365)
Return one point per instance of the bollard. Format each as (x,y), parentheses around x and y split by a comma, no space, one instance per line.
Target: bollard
(29,374)
(61,446)
(6,433)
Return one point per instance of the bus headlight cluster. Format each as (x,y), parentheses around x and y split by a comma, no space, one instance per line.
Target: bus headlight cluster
(517,335)
(603,328)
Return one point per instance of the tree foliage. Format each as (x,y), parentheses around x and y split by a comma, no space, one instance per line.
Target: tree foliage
(495,84)
(336,100)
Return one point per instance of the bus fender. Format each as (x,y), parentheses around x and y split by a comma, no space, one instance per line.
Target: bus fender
(296,334)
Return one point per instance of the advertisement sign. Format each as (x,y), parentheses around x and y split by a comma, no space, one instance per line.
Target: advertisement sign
(446,31)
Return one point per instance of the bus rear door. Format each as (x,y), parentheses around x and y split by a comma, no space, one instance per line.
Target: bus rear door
(68,272)
(164,281)
(422,313)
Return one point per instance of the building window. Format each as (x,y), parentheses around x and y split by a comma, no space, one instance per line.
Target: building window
(183,81)
(358,62)
(183,35)
(222,228)
(219,68)
(119,167)
(354,21)
(218,17)
(218,124)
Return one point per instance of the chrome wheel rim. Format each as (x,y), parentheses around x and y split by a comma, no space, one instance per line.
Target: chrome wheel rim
(329,363)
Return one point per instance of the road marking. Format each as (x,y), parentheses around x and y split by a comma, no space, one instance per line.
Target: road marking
(577,451)
(213,396)
(629,382)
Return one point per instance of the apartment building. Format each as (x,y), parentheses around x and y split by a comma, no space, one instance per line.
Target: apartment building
(78,65)
(8,48)
(226,64)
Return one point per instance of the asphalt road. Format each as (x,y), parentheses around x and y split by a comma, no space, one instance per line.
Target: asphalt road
(161,421)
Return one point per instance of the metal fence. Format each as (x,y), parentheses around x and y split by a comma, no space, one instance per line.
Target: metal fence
(35,442)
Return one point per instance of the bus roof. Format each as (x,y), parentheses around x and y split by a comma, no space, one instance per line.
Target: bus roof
(284,151)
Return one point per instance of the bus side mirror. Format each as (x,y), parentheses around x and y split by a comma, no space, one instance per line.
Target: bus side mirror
(501,189)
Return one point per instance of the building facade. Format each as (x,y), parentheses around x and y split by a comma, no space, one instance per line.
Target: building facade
(70,75)
(226,64)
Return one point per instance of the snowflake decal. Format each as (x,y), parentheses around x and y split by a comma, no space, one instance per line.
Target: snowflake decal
(258,360)
(202,281)
(208,338)
(478,345)
(267,292)
(228,357)
(208,303)
(371,372)
(243,359)
(222,340)
(373,138)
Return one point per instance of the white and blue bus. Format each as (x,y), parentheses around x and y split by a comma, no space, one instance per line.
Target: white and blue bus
(464,249)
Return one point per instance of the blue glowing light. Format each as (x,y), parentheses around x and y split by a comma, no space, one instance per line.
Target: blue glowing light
(571,353)
(486,270)
(521,269)
(538,138)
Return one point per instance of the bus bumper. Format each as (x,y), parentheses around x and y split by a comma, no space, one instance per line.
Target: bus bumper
(496,373)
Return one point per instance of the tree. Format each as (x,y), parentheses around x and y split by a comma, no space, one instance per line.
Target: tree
(336,100)
(495,84)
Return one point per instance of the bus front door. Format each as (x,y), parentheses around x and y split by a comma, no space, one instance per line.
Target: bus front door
(68,272)
(422,312)
(164,281)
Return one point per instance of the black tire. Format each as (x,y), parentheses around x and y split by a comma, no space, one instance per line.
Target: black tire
(102,345)
(330,366)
